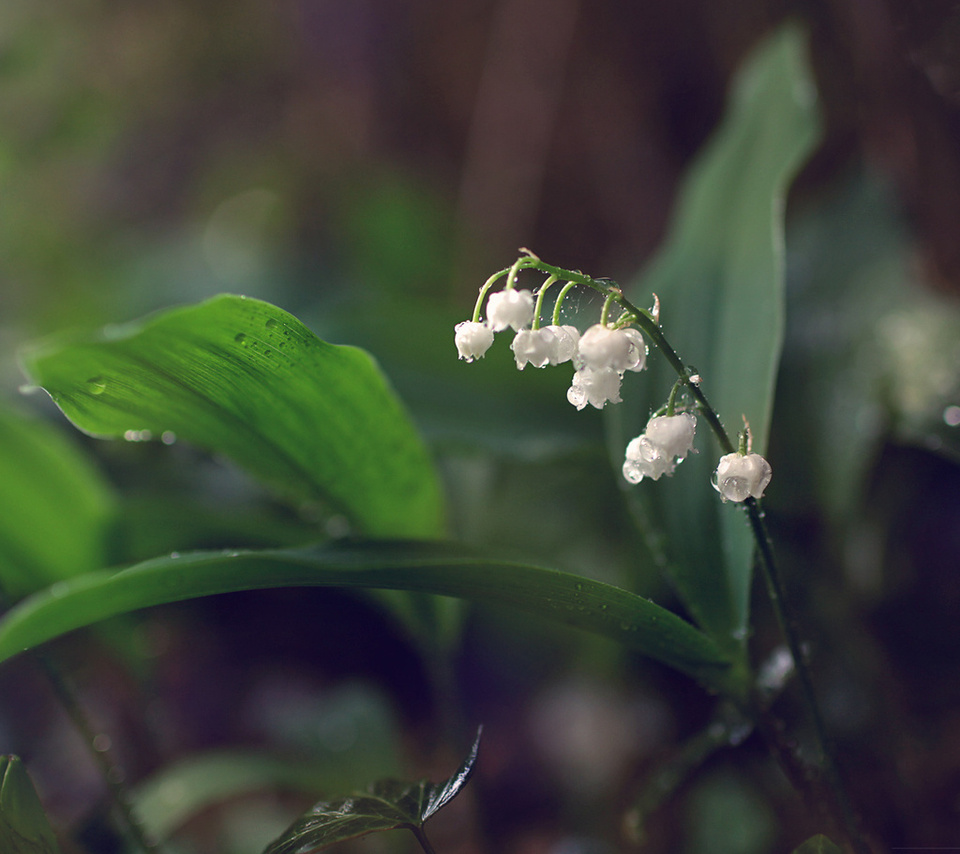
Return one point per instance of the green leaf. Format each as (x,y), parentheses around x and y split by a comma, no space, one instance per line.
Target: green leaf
(245,379)
(55,508)
(720,280)
(323,760)
(386,805)
(438,568)
(24,827)
(818,844)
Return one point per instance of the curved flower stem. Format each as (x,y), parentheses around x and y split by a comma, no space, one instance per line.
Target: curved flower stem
(541,293)
(489,283)
(651,328)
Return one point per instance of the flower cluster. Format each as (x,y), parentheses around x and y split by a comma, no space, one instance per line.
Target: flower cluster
(600,356)
(655,452)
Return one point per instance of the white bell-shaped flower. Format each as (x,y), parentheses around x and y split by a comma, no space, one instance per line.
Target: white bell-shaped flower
(673,433)
(645,458)
(473,339)
(535,346)
(655,452)
(511,307)
(603,347)
(565,343)
(594,386)
(740,476)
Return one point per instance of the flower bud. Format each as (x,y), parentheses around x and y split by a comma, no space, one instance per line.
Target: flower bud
(739,476)
(472,339)
(510,307)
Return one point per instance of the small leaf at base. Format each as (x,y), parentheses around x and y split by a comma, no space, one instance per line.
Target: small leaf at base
(386,805)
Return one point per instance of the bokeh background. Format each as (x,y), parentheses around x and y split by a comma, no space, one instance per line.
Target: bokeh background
(366,165)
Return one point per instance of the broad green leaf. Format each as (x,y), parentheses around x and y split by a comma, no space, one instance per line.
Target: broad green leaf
(438,568)
(818,844)
(24,827)
(720,280)
(243,378)
(54,507)
(386,805)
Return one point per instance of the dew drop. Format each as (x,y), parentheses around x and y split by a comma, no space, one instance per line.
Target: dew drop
(271,324)
(98,385)
(240,338)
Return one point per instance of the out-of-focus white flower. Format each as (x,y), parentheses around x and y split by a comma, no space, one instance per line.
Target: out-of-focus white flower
(603,347)
(510,307)
(565,345)
(740,476)
(473,339)
(655,452)
(535,346)
(595,386)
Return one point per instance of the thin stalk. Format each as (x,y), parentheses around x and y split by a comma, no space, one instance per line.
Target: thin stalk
(132,826)
(116,791)
(422,839)
(775,591)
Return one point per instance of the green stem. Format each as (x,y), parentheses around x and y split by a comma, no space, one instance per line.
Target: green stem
(559,303)
(775,591)
(422,839)
(489,283)
(134,830)
(540,295)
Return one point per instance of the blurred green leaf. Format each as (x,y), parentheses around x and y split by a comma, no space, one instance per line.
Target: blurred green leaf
(340,738)
(818,844)
(243,378)
(439,568)
(182,790)
(869,352)
(24,827)
(720,281)
(55,507)
(386,805)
